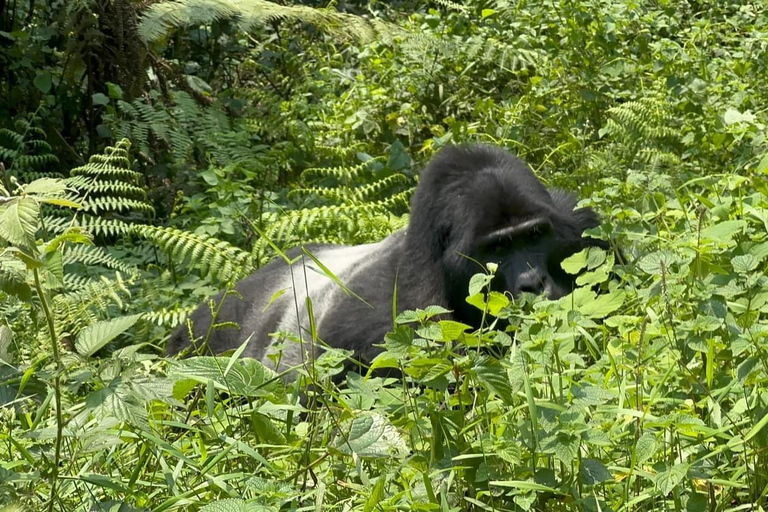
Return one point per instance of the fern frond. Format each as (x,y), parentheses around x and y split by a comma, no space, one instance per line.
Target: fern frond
(98,169)
(377,188)
(342,174)
(169,317)
(91,185)
(211,256)
(99,205)
(82,305)
(644,118)
(91,256)
(97,226)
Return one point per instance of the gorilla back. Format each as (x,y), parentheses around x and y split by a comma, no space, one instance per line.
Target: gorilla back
(473,203)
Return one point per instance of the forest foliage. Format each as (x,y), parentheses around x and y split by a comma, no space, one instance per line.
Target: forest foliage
(153,153)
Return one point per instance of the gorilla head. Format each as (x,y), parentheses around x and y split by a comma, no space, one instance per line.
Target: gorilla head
(473,204)
(482,203)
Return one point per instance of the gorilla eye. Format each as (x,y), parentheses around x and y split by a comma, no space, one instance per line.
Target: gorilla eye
(499,246)
(538,231)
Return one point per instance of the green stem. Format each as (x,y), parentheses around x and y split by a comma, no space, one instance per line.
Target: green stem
(56,387)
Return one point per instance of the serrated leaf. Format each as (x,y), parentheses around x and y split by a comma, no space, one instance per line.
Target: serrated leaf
(575,263)
(94,337)
(478,283)
(591,395)
(227,505)
(271,488)
(591,305)
(657,262)
(565,446)
(370,436)
(494,377)
(246,377)
(668,479)
(645,447)
(593,472)
(406,317)
(452,330)
(724,231)
(745,263)
(18,221)
(46,186)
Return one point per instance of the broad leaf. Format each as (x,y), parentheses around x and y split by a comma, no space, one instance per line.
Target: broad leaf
(94,337)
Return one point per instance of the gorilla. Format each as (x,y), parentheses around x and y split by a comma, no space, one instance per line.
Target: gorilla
(474,204)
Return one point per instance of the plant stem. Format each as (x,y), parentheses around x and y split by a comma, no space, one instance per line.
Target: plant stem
(56,386)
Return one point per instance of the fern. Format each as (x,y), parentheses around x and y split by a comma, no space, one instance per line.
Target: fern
(644,133)
(364,207)
(94,225)
(90,256)
(90,300)
(25,153)
(341,174)
(210,255)
(162,17)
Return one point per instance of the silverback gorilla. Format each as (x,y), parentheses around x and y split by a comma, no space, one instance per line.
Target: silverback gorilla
(473,202)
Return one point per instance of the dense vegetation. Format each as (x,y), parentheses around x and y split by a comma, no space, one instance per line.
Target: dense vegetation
(152,153)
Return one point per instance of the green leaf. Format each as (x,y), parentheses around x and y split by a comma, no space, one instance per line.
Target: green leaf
(565,446)
(575,263)
(762,167)
(114,90)
(6,337)
(376,496)
(228,505)
(452,330)
(18,221)
(370,436)
(668,479)
(591,395)
(487,12)
(657,262)
(744,263)
(733,116)
(591,305)
(46,187)
(59,201)
(43,82)
(645,447)
(100,99)
(246,377)
(479,282)
(493,376)
(724,231)
(95,336)
(593,472)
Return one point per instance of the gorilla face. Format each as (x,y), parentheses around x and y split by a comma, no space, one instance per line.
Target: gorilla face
(528,255)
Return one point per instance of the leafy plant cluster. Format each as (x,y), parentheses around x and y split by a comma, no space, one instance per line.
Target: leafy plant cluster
(252,127)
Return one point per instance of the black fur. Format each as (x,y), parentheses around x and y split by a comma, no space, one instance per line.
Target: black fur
(473,202)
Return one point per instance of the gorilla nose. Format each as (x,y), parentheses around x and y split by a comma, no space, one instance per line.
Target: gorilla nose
(532,282)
